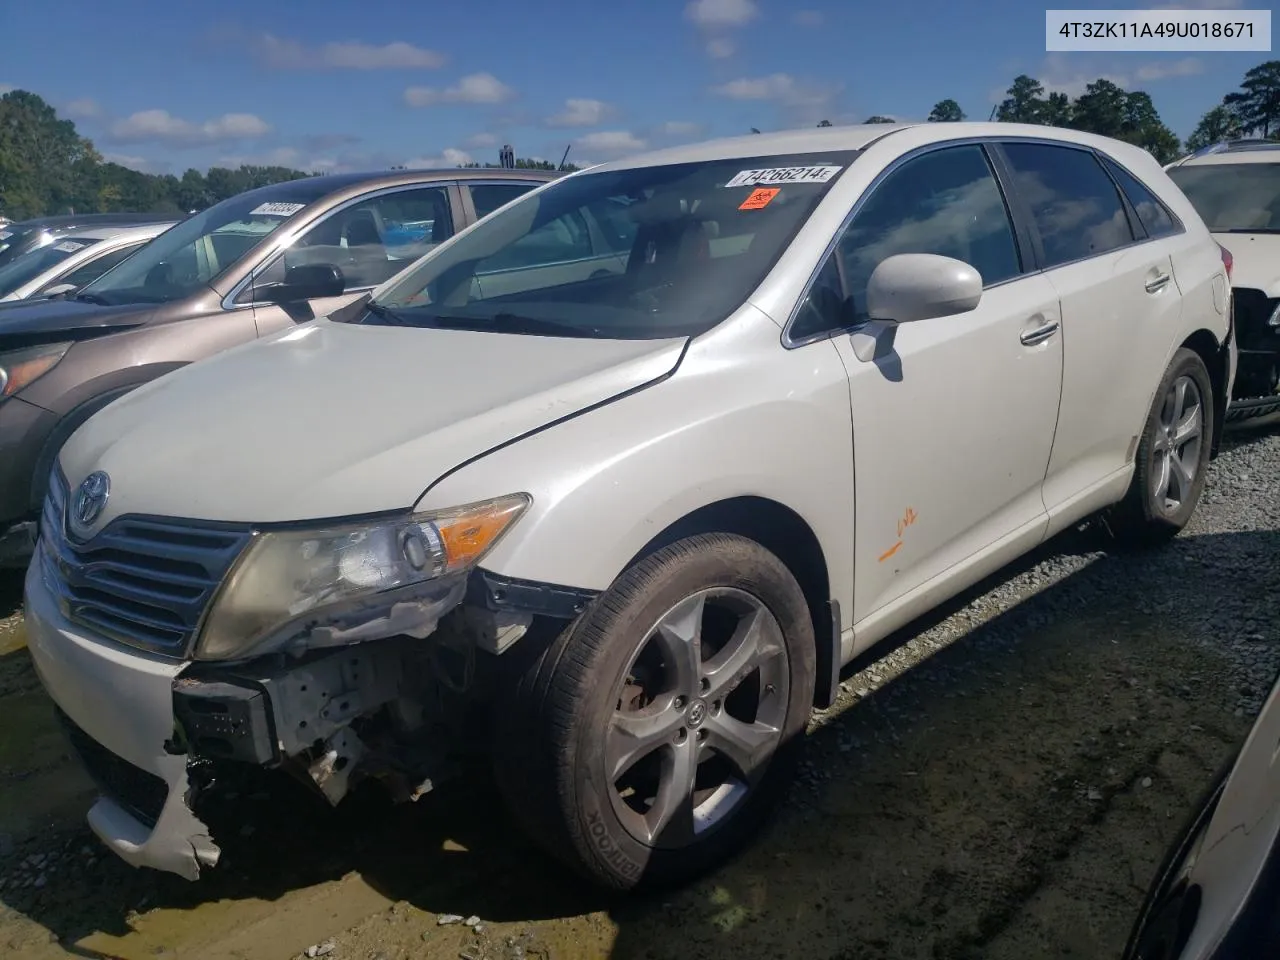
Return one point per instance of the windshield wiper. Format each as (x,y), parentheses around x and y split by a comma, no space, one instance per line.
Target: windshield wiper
(93,298)
(495,323)
(386,314)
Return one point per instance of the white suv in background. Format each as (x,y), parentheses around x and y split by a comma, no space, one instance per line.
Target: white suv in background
(616,480)
(1235,187)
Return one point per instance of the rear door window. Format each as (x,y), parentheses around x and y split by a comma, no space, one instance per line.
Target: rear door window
(1075,205)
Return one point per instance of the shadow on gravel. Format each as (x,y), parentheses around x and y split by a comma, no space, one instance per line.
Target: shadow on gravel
(1046,753)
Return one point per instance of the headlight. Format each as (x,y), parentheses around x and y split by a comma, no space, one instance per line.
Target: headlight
(23,367)
(288,575)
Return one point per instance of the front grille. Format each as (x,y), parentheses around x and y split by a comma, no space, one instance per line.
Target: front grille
(143,581)
(141,793)
(1252,310)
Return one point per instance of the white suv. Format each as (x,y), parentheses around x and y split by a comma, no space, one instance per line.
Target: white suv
(621,476)
(1235,187)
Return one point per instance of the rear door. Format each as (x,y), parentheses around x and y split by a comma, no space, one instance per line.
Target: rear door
(369,239)
(1117,295)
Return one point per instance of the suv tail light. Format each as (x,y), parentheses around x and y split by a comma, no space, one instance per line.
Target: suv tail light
(1227,261)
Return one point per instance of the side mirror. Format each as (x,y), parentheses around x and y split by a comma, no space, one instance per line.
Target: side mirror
(908,287)
(310,281)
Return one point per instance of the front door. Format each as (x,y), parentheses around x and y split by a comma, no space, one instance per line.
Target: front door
(953,427)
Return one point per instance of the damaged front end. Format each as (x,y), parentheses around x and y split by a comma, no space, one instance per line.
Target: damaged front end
(390,698)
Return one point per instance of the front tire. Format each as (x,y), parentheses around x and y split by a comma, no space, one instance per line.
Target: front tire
(650,739)
(1172,458)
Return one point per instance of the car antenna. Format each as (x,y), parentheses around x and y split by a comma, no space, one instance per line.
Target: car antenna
(565,157)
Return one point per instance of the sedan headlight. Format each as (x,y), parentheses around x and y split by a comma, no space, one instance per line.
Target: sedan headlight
(21,368)
(292,575)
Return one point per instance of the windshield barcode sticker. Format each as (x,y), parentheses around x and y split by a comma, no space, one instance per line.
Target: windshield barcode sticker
(67,246)
(276,209)
(772,175)
(5,234)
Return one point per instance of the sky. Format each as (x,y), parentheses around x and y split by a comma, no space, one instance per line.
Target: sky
(327,85)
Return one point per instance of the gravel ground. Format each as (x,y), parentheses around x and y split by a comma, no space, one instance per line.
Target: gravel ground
(999,782)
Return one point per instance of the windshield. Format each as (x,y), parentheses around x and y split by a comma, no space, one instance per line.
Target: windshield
(642,253)
(26,267)
(1233,197)
(192,254)
(16,240)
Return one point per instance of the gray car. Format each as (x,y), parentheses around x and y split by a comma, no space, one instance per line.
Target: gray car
(246,267)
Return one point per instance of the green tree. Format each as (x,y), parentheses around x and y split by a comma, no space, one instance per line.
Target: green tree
(824,123)
(1219,124)
(879,119)
(1056,111)
(946,111)
(1100,109)
(43,158)
(1257,102)
(1025,103)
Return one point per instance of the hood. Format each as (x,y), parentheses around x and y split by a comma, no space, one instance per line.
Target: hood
(46,321)
(1256,260)
(334,419)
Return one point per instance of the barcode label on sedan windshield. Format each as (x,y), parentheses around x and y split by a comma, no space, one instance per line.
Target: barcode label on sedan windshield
(772,175)
(68,246)
(5,234)
(276,209)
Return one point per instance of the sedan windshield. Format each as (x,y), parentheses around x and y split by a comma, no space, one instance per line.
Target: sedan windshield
(189,256)
(1233,197)
(641,253)
(25,268)
(15,240)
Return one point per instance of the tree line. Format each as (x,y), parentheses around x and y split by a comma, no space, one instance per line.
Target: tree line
(48,168)
(1107,109)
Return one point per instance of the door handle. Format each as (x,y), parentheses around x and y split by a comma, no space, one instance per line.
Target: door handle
(1157,283)
(1040,334)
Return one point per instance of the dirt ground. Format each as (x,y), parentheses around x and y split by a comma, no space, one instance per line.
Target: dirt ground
(999,783)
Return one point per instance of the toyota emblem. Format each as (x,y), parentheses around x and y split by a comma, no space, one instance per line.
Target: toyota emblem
(90,499)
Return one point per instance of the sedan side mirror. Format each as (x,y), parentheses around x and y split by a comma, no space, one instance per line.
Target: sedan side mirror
(310,281)
(908,287)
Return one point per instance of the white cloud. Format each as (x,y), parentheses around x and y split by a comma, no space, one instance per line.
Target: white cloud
(1059,74)
(611,141)
(474,88)
(160,126)
(680,128)
(481,140)
(85,108)
(802,103)
(279,157)
(581,113)
(718,48)
(807,18)
(288,54)
(777,86)
(722,13)
(449,157)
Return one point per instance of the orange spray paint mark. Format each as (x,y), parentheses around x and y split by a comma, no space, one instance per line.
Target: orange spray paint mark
(907,520)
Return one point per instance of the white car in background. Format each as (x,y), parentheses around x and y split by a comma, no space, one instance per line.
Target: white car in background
(621,524)
(1235,187)
(72,260)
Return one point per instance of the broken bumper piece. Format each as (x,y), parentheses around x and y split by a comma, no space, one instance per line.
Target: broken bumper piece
(126,698)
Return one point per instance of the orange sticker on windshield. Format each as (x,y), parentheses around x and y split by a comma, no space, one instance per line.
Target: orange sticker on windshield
(759,198)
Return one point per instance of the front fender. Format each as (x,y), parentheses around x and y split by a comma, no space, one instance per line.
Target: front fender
(742,416)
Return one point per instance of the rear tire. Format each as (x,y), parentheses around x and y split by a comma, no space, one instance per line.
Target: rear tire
(650,739)
(1172,458)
